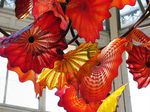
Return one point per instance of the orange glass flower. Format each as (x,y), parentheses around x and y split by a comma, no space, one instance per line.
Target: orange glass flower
(96,87)
(37,46)
(87,67)
(73,103)
(87,17)
(139,65)
(65,70)
(136,35)
(121,3)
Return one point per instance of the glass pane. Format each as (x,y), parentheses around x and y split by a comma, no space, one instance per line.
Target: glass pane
(20,94)
(9,4)
(3,69)
(52,101)
(140,98)
(130,14)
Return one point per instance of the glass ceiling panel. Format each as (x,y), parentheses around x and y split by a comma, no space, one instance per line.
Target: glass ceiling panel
(52,102)
(3,70)
(130,14)
(9,4)
(139,97)
(20,94)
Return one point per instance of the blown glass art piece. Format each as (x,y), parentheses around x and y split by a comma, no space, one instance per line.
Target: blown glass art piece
(83,77)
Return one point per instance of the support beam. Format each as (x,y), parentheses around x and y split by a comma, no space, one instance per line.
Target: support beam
(2,3)
(42,102)
(6,86)
(141,6)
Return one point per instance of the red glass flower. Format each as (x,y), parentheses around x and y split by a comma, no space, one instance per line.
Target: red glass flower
(85,69)
(23,8)
(139,65)
(136,35)
(73,103)
(38,8)
(87,16)
(36,46)
(97,86)
(42,6)
(121,3)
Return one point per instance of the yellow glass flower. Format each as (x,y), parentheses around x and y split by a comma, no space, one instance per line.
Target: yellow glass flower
(65,70)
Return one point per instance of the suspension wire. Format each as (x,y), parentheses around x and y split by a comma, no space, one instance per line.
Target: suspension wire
(74,36)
